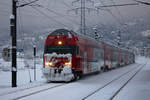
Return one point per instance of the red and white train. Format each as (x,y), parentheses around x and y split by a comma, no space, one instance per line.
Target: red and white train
(67,56)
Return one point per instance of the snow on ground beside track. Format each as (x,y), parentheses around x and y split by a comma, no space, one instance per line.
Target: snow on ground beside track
(141,59)
(139,87)
(33,90)
(107,92)
(23,78)
(23,74)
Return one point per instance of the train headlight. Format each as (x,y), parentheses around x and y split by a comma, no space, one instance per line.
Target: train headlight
(49,64)
(59,42)
(68,64)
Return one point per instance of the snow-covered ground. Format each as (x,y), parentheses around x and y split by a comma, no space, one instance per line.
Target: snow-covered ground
(24,73)
(137,89)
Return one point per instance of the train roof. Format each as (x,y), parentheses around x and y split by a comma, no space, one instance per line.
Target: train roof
(70,32)
(62,32)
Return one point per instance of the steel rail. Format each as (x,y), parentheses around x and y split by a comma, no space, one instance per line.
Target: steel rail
(102,87)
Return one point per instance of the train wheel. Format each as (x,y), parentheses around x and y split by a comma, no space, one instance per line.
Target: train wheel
(106,68)
(102,69)
(77,76)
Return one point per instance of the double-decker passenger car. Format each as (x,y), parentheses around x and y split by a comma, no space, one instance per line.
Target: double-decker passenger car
(67,56)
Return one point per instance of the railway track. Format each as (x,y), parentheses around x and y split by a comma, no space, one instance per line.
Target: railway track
(22,89)
(138,69)
(22,93)
(116,93)
(42,90)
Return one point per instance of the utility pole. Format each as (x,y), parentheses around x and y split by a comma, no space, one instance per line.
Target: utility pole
(13,19)
(83,9)
(13,28)
(83,17)
(34,53)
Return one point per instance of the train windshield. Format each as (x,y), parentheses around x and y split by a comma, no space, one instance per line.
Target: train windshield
(63,49)
(61,32)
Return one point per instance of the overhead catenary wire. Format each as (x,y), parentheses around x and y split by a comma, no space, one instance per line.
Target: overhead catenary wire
(59,14)
(122,17)
(120,14)
(66,4)
(38,16)
(121,5)
(117,5)
(142,2)
(26,12)
(21,25)
(110,12)
(49,17)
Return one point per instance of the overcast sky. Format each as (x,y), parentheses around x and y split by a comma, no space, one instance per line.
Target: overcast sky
(37,19)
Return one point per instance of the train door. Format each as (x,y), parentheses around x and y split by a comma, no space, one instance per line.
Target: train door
(119,58)
(110,58)
(126,59)
(122,59)
(106,57)
(114,59)
(85,62)
(101,58)
(96,61)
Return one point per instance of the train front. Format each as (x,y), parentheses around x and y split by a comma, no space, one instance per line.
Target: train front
(58,53)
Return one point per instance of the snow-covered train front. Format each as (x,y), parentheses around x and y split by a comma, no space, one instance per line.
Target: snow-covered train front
(58,67)
(67,56)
